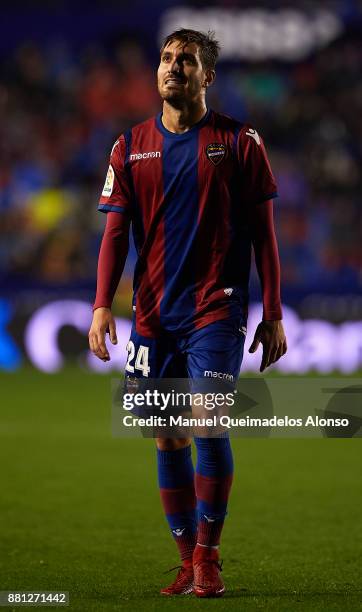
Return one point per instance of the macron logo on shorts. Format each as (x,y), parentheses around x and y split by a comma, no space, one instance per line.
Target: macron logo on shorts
(222,375)
(149,154)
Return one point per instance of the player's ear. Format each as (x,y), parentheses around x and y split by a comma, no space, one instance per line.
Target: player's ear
(209,78)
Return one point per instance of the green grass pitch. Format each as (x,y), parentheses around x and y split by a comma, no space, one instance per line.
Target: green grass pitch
(80,510)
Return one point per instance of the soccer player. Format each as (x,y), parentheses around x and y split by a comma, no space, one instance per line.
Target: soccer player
(197,188)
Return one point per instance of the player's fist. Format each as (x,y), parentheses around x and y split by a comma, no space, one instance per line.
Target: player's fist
(271,335)
(102,323)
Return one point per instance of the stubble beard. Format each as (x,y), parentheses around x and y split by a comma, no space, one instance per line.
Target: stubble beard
(174,100)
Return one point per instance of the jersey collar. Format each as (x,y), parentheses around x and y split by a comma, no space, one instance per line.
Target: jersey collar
(185,135)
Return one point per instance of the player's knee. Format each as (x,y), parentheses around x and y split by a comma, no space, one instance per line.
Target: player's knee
(169,444)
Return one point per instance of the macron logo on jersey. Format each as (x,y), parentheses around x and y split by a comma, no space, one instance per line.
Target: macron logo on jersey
(254,134)
(147,155)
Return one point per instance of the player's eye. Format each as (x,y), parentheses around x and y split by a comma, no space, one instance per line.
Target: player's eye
(189,59)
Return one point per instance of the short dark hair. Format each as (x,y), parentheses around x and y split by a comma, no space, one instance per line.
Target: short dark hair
(208,45)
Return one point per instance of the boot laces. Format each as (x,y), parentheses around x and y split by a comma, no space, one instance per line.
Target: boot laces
(182,570)
(177,567)
(212,562)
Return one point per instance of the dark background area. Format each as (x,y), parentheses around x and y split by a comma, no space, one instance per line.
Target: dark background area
(74,76)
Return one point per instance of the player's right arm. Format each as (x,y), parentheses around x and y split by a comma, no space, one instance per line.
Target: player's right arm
(115,201)
(111,260)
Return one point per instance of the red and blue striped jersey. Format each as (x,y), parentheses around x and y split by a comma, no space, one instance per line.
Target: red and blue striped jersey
(188,197)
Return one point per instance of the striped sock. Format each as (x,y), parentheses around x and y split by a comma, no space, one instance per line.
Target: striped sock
(213,479)
(176,481)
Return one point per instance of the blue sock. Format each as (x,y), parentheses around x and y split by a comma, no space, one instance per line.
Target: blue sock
(214,474)
(176,482)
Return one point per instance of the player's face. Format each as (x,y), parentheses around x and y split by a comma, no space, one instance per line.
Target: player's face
(181,76)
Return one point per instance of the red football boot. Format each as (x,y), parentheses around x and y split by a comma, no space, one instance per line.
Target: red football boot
(184,582)
(207,579)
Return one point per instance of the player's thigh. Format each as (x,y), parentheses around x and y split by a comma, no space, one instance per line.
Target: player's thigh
(153,357)
(150,362)
(216,351)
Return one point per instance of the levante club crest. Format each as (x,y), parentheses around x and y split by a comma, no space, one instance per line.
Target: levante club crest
(216,152)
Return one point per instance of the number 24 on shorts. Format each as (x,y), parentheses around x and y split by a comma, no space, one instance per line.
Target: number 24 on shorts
(141,362)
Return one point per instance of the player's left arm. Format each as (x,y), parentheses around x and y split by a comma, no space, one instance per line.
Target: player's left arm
(270,332)
(258,190)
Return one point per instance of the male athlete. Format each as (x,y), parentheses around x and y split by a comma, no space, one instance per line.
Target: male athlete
(197,188)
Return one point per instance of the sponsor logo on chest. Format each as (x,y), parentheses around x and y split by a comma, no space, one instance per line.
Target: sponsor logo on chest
(146,155)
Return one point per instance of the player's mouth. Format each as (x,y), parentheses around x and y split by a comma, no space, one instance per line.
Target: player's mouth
(174,81)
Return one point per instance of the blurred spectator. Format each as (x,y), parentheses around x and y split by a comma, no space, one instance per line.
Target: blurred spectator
(60,114)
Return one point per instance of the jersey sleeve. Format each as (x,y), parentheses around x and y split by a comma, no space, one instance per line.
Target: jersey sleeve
(258,182)
(116,194)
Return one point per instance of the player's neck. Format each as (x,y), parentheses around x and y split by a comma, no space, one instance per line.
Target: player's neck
(180,120)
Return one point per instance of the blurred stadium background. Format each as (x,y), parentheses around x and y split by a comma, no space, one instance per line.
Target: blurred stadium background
(79,510)
(74,75)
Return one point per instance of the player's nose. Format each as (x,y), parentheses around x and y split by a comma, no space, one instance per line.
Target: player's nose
(176,65)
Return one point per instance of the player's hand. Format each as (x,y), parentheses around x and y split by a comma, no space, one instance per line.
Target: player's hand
(271,335)
(102,323)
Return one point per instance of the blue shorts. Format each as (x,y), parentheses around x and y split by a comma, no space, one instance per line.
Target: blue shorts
(214,351)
